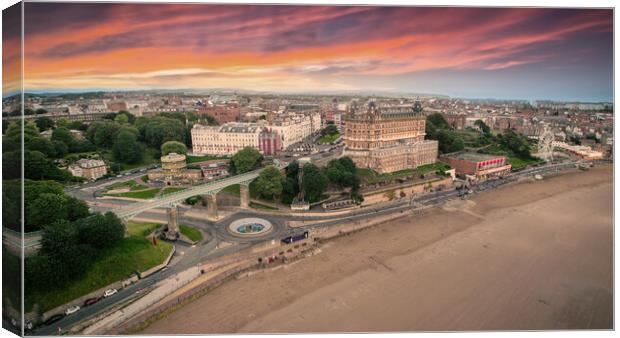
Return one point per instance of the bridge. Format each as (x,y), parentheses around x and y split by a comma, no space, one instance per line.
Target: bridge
(207,190)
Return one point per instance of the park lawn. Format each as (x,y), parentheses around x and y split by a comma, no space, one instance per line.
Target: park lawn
(520,163)
(170,190)
(370,176)
(432,167)
(141,229)
(132,185)
(191,233)
(142,194)
(329,138)
(134,253)
(235,190)
(194,159)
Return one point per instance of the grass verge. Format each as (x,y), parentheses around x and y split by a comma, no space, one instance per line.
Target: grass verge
(191,233)
(170,190)
(326,139)
(142,194)
(134,253)
(141,229)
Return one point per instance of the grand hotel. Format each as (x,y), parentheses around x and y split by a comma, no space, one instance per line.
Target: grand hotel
(388,138)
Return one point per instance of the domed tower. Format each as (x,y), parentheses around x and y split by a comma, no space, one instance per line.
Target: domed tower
(417,107)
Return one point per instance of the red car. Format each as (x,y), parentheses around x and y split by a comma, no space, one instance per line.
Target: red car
(90,301)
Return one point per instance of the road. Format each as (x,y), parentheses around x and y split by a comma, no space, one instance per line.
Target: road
(188,256)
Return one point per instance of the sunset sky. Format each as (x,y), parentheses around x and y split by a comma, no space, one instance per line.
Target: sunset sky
(563,54)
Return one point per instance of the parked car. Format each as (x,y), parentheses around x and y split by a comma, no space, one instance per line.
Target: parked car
(72,309)
(54,319)
(90,301)
(109,292)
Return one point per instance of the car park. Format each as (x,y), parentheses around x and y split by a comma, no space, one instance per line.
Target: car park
(109,292)
(72,309)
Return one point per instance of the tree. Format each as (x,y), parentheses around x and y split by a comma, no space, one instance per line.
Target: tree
(130,117)
(290,189)
(126,148)
(173,147)
(343,173)
(106,134)
(81,146)
(100,231)
(62,123)
(47,208)
(121,119)
(269,182)
(483,126)
(44,123)
(14,131)
(438,121)
(63,258)
(76,208)
(246,159)
(9,145)
(515,143)
(38,167)
(12,164)
(60,149)
(155,131)
(449,141)
(43,145)
(329,130)
(77,125)
(62,134)
(314,182)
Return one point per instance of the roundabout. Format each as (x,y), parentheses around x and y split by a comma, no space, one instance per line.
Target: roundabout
(250,227)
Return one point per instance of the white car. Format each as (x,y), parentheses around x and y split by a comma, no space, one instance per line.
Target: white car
(71,310)
(109,292)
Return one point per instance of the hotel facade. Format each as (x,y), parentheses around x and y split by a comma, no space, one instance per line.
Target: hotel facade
(388,139)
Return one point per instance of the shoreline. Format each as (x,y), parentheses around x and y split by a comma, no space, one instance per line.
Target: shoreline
(258,303)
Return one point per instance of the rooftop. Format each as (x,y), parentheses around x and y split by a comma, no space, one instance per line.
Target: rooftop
(472,156)
(173,157)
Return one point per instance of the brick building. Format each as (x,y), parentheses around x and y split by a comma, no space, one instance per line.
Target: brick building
(223,113)
(89,169)
(479,166)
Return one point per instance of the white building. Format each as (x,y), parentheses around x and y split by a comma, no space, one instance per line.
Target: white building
(226,139)
(294,127)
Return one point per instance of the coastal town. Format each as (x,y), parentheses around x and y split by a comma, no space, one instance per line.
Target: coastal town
(232,180)
(222,168)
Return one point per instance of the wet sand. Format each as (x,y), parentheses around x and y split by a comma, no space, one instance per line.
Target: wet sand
(529,256)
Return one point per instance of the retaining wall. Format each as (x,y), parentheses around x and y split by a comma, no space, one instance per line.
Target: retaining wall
(379,196)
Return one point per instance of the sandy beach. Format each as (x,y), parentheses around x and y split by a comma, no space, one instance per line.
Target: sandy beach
(529,256)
